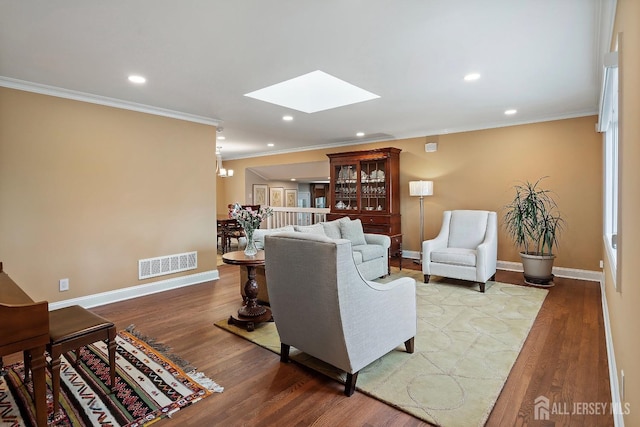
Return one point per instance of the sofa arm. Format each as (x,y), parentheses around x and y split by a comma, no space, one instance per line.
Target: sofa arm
(389,309)
(378,239)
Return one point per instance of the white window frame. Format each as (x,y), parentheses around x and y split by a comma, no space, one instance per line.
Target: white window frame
(608,123)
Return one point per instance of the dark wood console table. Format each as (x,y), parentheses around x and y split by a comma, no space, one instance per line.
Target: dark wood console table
(25,327)
(251,312)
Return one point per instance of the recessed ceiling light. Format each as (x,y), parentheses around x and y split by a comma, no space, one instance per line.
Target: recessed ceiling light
(471,77)
(312,92)
(510,112)
(287,118)
(271,144)
(221,137)
(137,79)
(293,179)
(360,134)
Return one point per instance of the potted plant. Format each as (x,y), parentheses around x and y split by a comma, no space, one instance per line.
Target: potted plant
(534,222)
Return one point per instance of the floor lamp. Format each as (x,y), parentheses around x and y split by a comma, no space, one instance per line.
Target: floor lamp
(421,189)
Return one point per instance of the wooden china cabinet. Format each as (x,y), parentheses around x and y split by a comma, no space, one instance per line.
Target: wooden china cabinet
(365,185)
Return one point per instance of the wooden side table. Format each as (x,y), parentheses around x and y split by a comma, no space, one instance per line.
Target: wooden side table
(395,250)
(251,312)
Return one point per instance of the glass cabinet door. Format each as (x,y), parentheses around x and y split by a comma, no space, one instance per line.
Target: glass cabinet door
(346,187)
(373,185)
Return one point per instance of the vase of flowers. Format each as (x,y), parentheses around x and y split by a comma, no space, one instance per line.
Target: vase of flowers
(250,220)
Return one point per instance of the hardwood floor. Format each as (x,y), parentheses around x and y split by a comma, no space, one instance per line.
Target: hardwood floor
(564,359)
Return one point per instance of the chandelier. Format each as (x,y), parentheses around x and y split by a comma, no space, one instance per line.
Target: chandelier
(220,170)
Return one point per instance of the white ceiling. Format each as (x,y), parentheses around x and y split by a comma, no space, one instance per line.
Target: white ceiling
(540,57)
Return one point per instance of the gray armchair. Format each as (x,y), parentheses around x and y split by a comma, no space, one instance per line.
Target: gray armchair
(466,247)
(322,306)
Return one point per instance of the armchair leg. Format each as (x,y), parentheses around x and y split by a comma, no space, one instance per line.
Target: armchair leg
(410,344)
(350,385)
(493,278)
(426,278)
(284,352)
(482,285)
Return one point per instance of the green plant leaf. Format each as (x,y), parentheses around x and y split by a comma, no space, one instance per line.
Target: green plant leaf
(532,219)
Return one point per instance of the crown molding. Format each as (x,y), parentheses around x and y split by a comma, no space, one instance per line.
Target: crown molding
(103,100)
(419,134)
(323,146)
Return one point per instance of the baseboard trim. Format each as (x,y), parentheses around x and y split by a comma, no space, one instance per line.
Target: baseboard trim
(137,291)
(618,418)
(569,273)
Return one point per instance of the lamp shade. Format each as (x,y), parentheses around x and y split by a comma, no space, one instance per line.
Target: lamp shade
(420,188)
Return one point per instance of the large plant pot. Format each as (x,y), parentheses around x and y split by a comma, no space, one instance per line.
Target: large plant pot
(537,269)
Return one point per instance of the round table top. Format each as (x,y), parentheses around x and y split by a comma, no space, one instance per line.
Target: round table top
(239,258)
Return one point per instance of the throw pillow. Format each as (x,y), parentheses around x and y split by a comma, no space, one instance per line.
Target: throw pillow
(258,235)
(352,230)
(332,228)
(312,229)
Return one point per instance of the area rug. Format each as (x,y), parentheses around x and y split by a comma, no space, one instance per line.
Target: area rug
(467,342)
(149,387)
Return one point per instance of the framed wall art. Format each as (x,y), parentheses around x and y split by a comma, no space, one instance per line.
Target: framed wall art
(291,198)
(276,197)
(260,194)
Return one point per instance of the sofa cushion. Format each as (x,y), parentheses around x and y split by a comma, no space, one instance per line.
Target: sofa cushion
(332,228)
(352,230)
(370,252)
(455,256)
(258,235)
(313,229)
(357,257)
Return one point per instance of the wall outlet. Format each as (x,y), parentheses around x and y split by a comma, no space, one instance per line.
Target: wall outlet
(64,285)
(601,264)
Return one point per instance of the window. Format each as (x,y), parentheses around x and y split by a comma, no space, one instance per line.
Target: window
(608,123)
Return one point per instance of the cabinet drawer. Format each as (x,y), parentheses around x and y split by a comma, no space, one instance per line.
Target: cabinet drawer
(376,229)
(375,220)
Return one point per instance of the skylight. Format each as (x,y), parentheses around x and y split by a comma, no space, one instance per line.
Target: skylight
(313,92)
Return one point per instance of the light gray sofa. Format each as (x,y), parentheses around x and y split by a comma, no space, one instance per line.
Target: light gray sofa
(370,252)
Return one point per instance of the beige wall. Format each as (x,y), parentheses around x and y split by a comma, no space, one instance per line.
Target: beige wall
(87,190)
(623,306)
(476,170)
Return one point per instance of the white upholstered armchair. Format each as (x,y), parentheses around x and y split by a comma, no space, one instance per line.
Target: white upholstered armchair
(322,306)
(466,248)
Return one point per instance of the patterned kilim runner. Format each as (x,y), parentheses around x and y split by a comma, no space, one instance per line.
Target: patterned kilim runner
(149,387)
